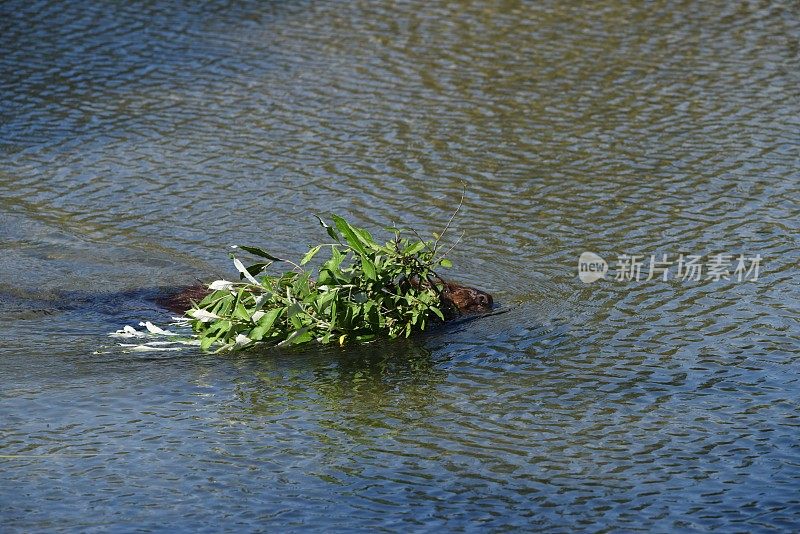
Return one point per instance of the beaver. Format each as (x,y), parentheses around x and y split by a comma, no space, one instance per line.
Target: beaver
(456,299)
(466,299)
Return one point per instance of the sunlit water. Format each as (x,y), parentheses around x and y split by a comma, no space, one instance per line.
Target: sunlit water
(139,139)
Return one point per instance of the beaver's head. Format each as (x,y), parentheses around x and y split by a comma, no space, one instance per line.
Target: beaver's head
(467,299)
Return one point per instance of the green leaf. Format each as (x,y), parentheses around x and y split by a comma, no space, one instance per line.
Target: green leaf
(223,305)
(310,254)
(371,314)
(256,268)
(240,312)
(300,335)
(218,330)
(330,229)
(414,249)
(366,238)
(295,314)
(326,277)
(241,268)
(265,324)
(352,238)
(206,341)
(302,286)
(259,252)
(368,268)
(333,315)
(444,262)
(213,298)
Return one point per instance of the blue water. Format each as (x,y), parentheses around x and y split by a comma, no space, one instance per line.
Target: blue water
(139,140)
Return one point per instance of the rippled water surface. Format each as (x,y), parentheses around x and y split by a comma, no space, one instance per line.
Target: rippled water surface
(139,139)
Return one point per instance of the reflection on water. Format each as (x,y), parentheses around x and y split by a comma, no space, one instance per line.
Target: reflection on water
(137,141)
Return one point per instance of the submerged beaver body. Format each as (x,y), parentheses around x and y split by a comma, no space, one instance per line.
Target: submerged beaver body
(456,300)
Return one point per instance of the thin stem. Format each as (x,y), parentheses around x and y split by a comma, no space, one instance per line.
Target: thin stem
(453,216)
(449,249)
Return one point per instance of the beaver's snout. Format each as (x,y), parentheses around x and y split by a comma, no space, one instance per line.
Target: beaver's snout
(468,299)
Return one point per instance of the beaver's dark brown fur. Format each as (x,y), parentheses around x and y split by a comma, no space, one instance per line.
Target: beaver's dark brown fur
(456,299)
(181,300)
(467,299)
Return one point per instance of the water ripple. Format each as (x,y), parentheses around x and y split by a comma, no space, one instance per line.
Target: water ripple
(139,140)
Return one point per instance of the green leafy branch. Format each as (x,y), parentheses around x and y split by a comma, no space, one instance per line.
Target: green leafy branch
(364,289)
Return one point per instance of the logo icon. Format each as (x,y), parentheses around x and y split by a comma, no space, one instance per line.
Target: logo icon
(591,267)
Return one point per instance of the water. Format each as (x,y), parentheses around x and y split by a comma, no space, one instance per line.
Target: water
(137,141)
